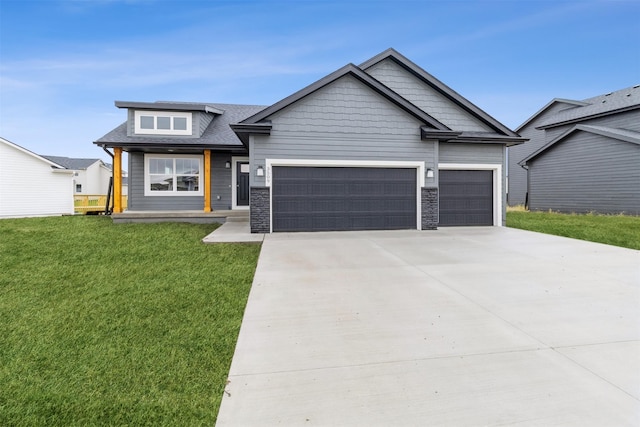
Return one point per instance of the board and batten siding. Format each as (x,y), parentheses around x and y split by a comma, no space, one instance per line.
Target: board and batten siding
(424,96)
(345,120)
(584,173)
(29,186)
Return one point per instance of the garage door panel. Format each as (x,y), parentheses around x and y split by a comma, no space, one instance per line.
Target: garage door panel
(333,198)
(466,197)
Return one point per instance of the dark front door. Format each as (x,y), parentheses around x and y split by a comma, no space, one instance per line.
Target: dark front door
(335,198)
(466,197)
(242,184)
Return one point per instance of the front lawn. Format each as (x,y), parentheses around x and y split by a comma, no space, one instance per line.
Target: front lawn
(615,230)
(103,324)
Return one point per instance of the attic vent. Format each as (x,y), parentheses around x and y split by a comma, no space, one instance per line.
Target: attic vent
(607,94)
(636,86)
(628,94)
(604,102)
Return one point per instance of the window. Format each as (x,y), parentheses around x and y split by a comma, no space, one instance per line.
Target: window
(78,188)
(167,175)
(162,123)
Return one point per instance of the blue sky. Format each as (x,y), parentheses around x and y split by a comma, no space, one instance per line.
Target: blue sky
(63,63)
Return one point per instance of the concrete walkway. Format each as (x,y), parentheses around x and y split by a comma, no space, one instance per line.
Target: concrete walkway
(233,232)
(455,327)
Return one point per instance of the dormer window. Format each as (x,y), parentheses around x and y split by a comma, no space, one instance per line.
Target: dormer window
(163,123)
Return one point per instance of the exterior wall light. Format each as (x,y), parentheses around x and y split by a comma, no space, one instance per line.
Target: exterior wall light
(259,171)
(430,173)
(227,165)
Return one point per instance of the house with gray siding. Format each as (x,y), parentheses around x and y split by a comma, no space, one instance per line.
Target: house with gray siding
(382,145)
(582,156)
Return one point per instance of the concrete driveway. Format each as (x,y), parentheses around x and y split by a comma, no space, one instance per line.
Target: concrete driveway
(455,327)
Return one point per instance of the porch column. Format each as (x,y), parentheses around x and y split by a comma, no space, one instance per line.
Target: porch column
(207,180)
(117,180)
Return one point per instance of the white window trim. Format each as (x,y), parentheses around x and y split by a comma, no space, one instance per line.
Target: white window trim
(174,193)
(497,183)
(155,114)
(234,182)
(419,166)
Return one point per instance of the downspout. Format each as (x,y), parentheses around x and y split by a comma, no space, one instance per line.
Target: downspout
(108,206)
(526,195)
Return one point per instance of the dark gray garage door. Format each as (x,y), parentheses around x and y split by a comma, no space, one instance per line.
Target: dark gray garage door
(466,197)
(333,198)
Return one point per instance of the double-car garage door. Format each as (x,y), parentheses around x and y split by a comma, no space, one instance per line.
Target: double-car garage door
(343,198)
(308,198)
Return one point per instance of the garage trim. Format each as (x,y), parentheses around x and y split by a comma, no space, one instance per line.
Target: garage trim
(419,166)
(497,183)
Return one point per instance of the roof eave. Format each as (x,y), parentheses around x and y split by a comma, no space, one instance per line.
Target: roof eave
(440,87)
(589,117)
(356,72)
(169,106)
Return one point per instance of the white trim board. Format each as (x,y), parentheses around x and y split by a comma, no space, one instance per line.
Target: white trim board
(497,183)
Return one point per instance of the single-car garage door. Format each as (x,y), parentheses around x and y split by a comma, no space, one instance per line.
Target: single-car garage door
(466,197)
(343,198)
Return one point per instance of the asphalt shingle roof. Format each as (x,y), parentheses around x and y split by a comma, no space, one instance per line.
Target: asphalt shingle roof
(598,105)
(217,133)
(71,163)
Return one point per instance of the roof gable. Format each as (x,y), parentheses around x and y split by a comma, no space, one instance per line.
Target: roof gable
(613,133)
(357,73)
(31,153)
(555,102)
(441,88)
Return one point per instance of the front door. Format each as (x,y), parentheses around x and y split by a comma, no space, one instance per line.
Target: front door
(242,184)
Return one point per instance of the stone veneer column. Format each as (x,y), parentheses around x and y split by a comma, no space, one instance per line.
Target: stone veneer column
(259,217)
(429,208)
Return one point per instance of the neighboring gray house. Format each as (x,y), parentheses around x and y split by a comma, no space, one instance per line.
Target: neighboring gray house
(383,145)
(582,156)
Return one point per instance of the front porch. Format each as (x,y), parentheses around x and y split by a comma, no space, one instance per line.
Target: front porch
(192,216)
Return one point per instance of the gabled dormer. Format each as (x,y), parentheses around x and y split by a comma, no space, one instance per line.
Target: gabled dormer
(168,119)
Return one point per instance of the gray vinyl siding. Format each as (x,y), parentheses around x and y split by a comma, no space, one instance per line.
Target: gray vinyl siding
(471,153)
(343,121)
(220,186)
(424,96)
(537,139)
(587,172)
(220,181)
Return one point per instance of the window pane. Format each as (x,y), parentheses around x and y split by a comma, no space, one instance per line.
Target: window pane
(146,122)
(164,122)
(161,166)
(180,123)
(187,183)
(161,182)
(187,166)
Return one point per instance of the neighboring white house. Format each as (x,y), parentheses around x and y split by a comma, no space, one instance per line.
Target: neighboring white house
(31,185)
(90,176)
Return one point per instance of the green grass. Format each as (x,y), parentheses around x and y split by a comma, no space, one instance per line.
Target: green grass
(104,324)
(617,230)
